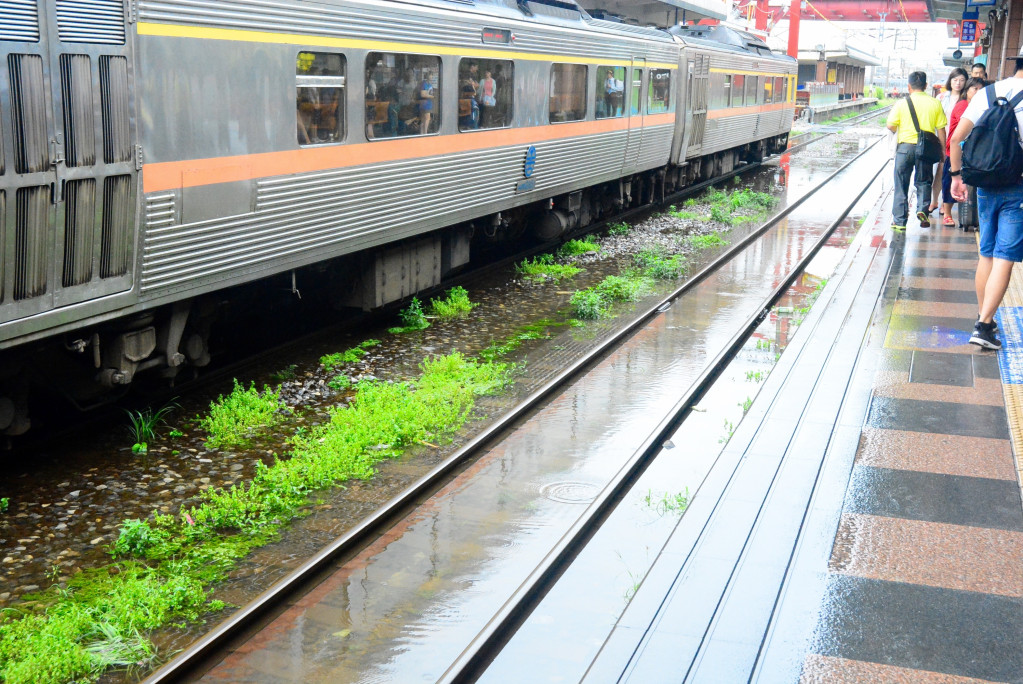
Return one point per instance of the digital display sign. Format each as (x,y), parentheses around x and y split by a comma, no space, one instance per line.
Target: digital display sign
(494,35)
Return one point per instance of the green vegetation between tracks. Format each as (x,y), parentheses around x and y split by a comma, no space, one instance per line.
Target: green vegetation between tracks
(165,566)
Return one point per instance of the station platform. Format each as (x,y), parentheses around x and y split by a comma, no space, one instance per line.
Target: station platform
(864,523)
(819,113)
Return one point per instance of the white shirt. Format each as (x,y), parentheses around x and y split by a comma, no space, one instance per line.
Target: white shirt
(1008,89)
(948,103)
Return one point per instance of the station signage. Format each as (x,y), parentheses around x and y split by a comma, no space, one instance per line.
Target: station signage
(968,33)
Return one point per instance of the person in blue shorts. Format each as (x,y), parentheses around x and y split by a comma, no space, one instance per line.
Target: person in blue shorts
(1000,213)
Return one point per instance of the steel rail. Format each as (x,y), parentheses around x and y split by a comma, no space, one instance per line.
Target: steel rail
(474,660)
(199,656)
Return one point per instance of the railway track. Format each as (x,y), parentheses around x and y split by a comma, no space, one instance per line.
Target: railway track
(67,428)
(210,649)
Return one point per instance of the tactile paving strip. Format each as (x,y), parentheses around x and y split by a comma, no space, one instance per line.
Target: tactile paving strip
(1010,361)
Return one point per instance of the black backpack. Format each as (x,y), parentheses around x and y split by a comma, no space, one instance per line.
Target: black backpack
(992,156)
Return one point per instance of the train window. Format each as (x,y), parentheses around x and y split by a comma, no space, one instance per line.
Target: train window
(737,87)
(568,92)
(658,97)
(402,95)
(610,94)
(637,85)
(779,89)
(751,90)
(724,95)
(485,90)
(320,80)
(768,90)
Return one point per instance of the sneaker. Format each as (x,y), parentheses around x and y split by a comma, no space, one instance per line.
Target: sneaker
(899,229)
(925,222)
(994,324)
(984,336)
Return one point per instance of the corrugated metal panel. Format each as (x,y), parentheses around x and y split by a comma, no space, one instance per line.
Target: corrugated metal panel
(160,210)
(28,111)
(91,21)
(117,217)
(656,147)
(79,227)
(79,112)
(113,84)
(318,19)
(32,211)
(370,23)
(315,213)
(19,20)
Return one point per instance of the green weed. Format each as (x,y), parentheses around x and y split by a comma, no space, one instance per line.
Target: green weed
(665,502)
(233,417)
(412,318)
(620,228)
(746,405)
(729,431)
(755,376)
(339,383)
(543,268)
(332,362)
(574,247)
(143,426)
(706,241)
(5,503)
(284,374)
(660,265)
(456,303)
(175,433)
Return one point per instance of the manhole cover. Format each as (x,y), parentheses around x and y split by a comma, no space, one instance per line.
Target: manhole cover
(570,492)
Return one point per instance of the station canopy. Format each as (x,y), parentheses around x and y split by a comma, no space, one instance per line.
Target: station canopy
(819,39)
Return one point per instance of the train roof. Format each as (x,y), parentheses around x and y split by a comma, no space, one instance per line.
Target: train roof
(725,37)
(551,12)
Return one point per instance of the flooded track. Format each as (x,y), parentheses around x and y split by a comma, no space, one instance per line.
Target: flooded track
(63,518)
(409,602)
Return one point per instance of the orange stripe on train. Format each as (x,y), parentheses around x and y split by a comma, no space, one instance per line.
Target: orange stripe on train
(162,176)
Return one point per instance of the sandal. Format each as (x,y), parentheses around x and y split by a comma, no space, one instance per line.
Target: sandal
(949,222)
(931,208)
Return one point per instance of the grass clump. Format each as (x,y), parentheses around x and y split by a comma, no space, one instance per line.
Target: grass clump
(284,374)
(332,362)
(657,264)
(536,331)
(456,303)
(666,502)
(233,417)
(143,426)
(340,383)
(596,301)
(412,317)
(574,247)
(620,228)
(5,503)
(683,214)
(543,268)
(706,241)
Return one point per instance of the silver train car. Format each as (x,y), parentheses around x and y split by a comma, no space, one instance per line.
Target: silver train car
(159,153)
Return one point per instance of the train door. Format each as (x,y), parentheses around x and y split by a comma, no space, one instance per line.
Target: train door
(634,107)
(68,165)
(697,85)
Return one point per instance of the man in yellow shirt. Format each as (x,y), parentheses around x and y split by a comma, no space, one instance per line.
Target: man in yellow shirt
(932,119)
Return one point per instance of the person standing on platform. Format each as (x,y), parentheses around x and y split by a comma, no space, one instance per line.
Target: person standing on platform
(950,95)
(1000,211)
(978,70)
(973,86)
(931,119)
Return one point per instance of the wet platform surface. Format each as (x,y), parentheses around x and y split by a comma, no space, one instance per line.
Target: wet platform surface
(864,523)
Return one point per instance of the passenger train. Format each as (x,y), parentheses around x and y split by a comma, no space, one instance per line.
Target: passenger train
(158,154)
